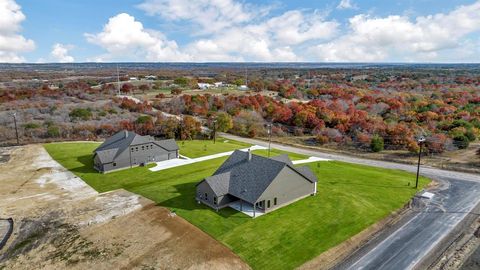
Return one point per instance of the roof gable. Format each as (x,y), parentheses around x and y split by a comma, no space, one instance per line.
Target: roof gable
(247,179)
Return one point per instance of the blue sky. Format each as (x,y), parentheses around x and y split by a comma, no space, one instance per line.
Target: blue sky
(231,30)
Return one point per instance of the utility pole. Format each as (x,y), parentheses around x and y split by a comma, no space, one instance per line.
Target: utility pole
(14,115)
(118,81)
(421,140)
(214,130)
(269,130)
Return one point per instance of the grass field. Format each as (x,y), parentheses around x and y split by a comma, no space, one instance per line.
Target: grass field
(198,148)
(350,198)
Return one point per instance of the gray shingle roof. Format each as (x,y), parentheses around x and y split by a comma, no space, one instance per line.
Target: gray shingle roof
(120,141)
(248,179)
(169,145)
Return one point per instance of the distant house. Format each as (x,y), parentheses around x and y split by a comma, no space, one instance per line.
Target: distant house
(261,183)
(151,77)
(127,149)
(204,86)
(243,87)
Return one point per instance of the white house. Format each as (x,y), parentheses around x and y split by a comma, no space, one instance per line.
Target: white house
(204,86)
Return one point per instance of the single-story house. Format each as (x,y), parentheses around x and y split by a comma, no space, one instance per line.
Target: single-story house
(126,149)
(257,182)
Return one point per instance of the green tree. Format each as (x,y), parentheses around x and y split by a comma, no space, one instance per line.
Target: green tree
(144,119)
(31,126)
(461,141)
(80,113)
(182,81)
(53,131)
(377,144)
(224,122)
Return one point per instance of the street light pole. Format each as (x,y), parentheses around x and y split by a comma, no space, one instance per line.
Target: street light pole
(214,130)
(14,115)
(269,126)
(421,140)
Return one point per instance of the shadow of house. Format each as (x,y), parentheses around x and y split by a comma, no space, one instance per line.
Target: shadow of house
(186,201)
(87,162)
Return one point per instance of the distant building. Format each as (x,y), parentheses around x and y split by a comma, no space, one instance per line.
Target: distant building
(151,77)
(133,79)
(204,86)
(127,149)
(218,84)
(257,182)
(243,87)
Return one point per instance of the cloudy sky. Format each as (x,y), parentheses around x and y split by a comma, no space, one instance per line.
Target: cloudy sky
(239,30)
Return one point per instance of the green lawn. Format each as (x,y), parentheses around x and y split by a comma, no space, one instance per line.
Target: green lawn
(198,148)
(350,198)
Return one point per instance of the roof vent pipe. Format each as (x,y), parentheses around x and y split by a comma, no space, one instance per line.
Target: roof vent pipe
(126,133)
(249,154)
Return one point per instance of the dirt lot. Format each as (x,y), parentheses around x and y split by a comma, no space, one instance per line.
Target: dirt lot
(60,222)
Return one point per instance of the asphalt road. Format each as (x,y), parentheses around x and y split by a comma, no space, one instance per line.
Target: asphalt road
(418,235)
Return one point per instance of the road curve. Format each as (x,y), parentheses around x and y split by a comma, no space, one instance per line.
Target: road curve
(416,236)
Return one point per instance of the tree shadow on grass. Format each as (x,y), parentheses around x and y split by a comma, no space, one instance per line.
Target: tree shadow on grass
(87,162)
(186,201)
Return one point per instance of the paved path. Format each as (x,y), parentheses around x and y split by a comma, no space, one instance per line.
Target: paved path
(412,240)
(310,159)
(167,164)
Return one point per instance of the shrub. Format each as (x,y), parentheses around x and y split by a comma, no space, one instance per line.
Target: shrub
(176,91)
(31,126)
(80,113)
(377,144)
(53,131)
(470,135)
(461,141)
(224,122)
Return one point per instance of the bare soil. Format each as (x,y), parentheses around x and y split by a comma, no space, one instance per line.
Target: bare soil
(60,222)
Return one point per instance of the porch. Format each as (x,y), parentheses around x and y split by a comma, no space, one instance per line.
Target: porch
(246,208)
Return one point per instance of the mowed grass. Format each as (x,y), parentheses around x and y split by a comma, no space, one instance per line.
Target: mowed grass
(199,148)
(350,198)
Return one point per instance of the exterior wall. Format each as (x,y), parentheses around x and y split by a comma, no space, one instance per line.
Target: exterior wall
(222,201)
(135,156)
(203,188)
(289,186)
(97,164)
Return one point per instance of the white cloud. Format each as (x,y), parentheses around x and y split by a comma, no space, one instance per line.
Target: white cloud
(125,38)
(60,53)
(11,42)
(235,31)
(346,4)
(398,38)
(211,15)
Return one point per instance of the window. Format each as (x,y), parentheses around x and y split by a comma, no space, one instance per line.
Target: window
(143,147)
(275,201)
(151,146)
(206,196)
(214,199)
(136,148)
(268,204)
(132,149)
(114,164)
